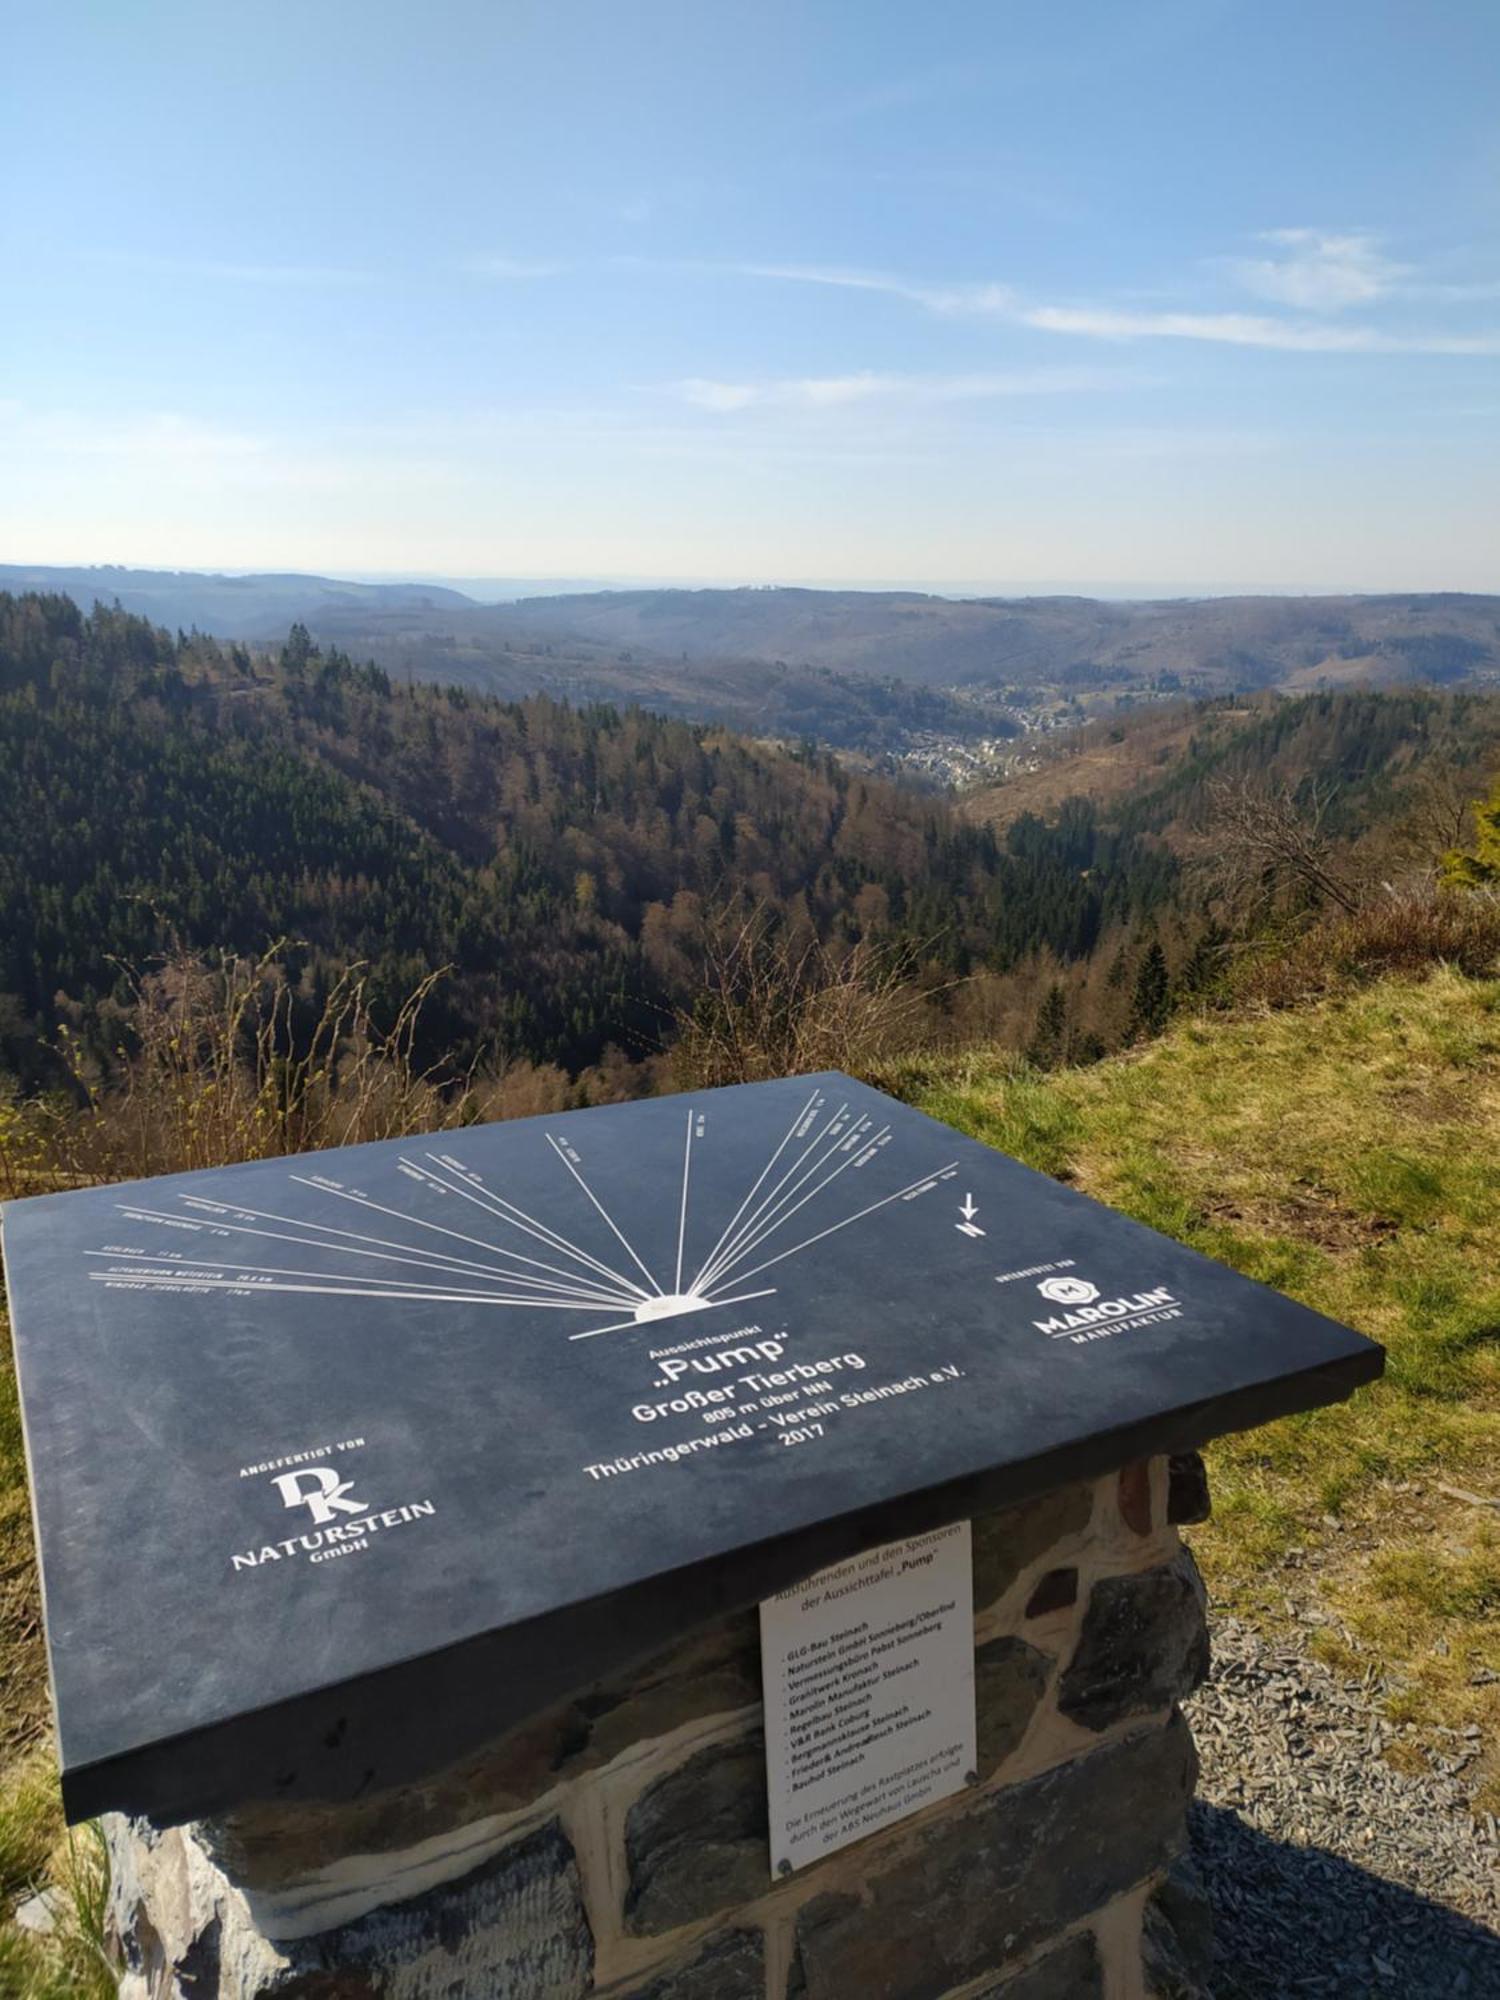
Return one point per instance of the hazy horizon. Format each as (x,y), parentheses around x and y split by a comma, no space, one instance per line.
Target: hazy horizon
(501,589)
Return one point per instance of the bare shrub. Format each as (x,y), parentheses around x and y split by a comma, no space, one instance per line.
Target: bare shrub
(778,1002)
(213,1068)
(1398,931)
(1437,819)
(1270,840)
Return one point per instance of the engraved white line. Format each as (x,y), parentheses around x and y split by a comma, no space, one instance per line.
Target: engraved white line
(160,1270)
(364,1201)
(223,1212)
(808,1242)
(733,1220)
(767,1201)
(350,1290)
(687,1163)
(829,1145)
(791,1180)
(861,1151)
(436,1260)
(504,1210)
(851,1142)
(509,1211)
(605,1213)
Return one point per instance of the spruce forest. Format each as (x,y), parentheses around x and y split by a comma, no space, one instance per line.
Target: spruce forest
(567,866)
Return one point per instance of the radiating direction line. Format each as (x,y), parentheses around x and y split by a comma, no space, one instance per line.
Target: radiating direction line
(364,1201)
(504,1210)
(605,1213)
(621,1324)
(767,1201)
(852,1144)
(435,1260)
(687,1163)
(795,1177)
(861,1152)
(349,1290)
(927,1180)
(226,1210)
(153,1268)
(733,1220)
(507,1210)
(826,1145)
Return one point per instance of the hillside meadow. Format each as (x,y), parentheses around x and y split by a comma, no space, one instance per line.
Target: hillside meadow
(1348,1153)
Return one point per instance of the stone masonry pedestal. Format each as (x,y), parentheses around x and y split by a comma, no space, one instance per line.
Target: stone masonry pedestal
(616,1844)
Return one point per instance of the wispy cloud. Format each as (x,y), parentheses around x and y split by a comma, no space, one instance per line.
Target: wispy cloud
(1104,322)
(1315,271)
(827,392)
(961,298)
(1249,330)
(1322,271)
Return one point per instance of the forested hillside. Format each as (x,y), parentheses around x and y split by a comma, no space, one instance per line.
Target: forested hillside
(563,861)
(899,673)
(573,867)
(1206,644)
(1373,753)
(429,633)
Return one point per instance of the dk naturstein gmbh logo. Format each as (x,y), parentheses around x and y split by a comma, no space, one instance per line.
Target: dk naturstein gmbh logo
(1089,1317)
(334,1519)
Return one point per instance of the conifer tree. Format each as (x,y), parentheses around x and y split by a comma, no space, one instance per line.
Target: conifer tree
(1205,963)
(1151,1001)
(1479,868)
(1049,1039)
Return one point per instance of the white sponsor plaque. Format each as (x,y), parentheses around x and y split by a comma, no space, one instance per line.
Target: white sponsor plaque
(869,1692)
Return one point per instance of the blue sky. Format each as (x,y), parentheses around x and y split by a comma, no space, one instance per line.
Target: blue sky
(1124,293)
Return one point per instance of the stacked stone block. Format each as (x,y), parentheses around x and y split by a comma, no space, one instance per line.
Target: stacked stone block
(617,1845)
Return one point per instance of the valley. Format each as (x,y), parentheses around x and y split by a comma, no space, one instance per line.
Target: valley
(934,687)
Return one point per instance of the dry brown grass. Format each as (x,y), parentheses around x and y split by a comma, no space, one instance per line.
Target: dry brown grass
(211,1070)
(777,1002)
(1104,761)
(214,1066)
(1404,932)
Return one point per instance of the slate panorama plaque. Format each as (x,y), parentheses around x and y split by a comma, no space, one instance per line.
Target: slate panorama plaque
(344,1463)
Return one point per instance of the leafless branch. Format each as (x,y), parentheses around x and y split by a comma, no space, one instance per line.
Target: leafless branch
(1275,835)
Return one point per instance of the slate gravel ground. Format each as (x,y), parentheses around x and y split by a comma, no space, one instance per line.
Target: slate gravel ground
(1332,1875)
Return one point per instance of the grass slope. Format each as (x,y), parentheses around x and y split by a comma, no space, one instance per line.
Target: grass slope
(1347,1153)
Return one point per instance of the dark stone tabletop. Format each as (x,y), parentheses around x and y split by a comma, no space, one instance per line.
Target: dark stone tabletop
(342,1463)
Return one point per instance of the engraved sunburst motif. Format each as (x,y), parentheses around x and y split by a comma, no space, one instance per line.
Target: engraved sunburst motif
(506,1256)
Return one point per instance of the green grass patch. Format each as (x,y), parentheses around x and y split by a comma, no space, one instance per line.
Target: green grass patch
(1348,1153)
